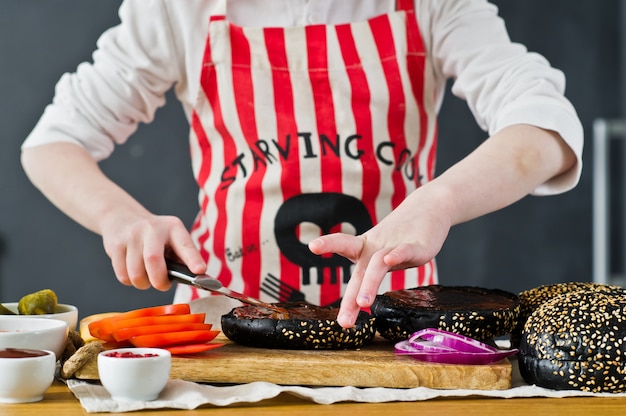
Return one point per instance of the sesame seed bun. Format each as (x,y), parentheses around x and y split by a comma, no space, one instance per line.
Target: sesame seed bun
(307,327)
(576,341)
(531,299)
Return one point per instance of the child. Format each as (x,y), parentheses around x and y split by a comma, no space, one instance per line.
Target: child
(313,139)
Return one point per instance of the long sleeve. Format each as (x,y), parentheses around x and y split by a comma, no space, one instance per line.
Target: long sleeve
(501,81)
(103,102)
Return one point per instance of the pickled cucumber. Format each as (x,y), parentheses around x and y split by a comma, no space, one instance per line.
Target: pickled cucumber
(38,303)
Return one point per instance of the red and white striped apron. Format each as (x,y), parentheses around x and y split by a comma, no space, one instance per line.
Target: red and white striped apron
(300,131)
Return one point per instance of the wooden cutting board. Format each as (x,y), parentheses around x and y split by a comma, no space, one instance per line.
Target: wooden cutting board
(373,366)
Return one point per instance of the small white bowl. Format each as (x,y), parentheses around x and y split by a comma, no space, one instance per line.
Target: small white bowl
(134,378)
(33,333)
(26,374)
(67,313)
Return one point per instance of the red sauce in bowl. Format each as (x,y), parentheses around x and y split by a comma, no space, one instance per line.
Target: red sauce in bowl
(129,354)
(21,353)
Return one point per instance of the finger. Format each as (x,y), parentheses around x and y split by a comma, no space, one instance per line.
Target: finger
(346,245)
(372,278)
(186,251)
(404,256)
(154,262)
(117,254)
(136,266)
(348,313)
(349,308)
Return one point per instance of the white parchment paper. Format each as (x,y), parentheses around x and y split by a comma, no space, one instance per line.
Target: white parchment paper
(179,394)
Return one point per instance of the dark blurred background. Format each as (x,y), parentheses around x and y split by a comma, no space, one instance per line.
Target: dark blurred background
(537,241)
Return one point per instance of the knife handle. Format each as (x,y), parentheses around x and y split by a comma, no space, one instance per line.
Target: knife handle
(178,267)
(179,271)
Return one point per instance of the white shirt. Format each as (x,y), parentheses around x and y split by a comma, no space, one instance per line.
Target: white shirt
(159,44)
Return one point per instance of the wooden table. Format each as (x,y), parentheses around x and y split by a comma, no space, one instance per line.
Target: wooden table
(60,401)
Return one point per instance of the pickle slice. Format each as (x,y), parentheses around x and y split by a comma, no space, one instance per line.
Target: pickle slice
(38,303)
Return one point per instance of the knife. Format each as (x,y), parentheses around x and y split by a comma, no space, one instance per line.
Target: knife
(180,272)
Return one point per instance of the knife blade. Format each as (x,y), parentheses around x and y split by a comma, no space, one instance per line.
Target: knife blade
(179,272)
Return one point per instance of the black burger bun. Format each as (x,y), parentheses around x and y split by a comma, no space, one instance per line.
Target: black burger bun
(576,341)
(479,313)
(307,327)
(531,299)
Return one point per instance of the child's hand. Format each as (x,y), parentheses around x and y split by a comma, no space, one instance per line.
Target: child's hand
(408,237)
(137,245)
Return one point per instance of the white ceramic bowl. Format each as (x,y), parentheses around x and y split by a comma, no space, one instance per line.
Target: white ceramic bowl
(67,313)
(33,333)
(134,378)
(26,374)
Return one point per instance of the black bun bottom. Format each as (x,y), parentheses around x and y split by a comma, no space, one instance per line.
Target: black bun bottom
(593,376)
(479,313)
(244,325)
(576,341)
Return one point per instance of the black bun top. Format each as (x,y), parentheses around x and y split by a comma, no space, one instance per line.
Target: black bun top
(531,299)
(578,326)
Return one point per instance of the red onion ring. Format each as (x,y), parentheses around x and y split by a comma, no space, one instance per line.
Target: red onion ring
(451,340)
(438,346)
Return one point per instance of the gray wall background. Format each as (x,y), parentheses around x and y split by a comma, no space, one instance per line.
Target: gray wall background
(537,241)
